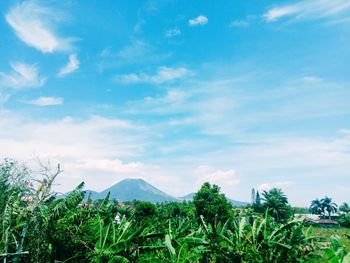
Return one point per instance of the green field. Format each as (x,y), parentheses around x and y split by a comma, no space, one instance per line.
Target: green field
(342,232)
(326,233)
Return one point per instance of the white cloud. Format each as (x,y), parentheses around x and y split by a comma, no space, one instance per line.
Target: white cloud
(310,9)
(243,22)
(198,21)
(47,101)
(278,12)
(172,33)
(137,52)
(89,149)
(268,186)
(21,76)
(240,23)
(72,65)
(163,74)
(226,179)
(34,25)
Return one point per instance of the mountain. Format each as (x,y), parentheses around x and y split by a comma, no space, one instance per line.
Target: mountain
(139,189)
(92,194)
(237,203)
(136,189)
(190,196)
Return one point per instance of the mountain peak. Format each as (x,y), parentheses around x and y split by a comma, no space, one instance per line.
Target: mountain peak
(136,189)
(133,180)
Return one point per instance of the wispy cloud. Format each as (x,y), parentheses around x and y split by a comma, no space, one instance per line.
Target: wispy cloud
(198,21)
(138,52)
(172,32)
(243,22)
(224,178)
(89,149)
(163,74)
(71,66)
(310,9)
(34,25)
(46,101)
(269,186)
(239,23)
(21,76)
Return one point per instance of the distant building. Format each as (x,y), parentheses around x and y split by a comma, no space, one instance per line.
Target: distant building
(319,220)
(253,196)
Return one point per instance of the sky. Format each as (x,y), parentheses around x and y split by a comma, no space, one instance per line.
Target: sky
(239,93)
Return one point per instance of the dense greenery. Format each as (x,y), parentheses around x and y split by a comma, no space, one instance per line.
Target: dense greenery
(37,226)
(323,206)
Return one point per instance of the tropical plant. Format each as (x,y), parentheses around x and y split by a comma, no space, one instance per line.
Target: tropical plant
(345,208)
(316,207)
(266,241)
(211,204)
(336,253)
(329,206)
(276,203)
(37,226)
(344,220)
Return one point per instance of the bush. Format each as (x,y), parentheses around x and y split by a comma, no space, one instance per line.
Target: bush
(211,204)
(144,210)
(344,220)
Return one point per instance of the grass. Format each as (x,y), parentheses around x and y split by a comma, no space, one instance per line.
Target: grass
(326,233)
(342,232)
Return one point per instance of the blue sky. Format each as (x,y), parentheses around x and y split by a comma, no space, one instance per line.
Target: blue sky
(239,93)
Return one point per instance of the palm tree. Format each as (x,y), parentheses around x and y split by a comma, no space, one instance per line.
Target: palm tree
(276,202)
(328,205)
(345,208)
(316,207)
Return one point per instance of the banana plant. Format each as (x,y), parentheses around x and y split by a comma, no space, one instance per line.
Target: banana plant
(119,242)
(184,244)
(336,253)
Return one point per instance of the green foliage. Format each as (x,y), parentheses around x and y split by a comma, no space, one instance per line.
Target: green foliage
(345,208)
(211,204)
(276,203)
(176,209)
(320,207)
(316,207)
(328,205)
(144,211)
(336,253)
(344,220)
(38,227)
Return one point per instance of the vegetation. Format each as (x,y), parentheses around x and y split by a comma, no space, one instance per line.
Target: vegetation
(320,207)
(344,219)
(213,206)
(37,226)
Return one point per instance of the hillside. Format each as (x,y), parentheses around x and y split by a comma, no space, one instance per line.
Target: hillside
(136,189)
(189,197)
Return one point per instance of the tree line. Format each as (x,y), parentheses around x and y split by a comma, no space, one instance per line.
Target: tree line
(39,226)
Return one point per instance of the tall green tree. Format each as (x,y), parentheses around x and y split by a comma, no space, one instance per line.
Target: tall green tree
(345,208)
(276,203)
(211,204)
(316,207)
(257,206)
(329,206)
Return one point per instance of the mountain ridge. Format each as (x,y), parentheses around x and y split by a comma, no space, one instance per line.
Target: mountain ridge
(189,197)
(131,189)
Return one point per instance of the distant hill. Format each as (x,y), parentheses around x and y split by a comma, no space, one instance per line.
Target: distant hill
(93,194)
(190,196)
(139,189)
(237,203)
(136,189)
